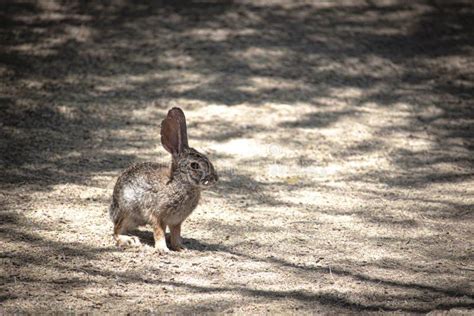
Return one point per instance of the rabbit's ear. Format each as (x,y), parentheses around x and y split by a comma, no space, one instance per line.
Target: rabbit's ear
(174,137)
(178,115)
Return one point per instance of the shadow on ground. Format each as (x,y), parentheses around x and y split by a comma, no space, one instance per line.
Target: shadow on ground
(68,277)
(73,72)
(80,81)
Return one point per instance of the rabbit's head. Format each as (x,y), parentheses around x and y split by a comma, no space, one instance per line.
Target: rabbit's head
(190,164)
(197,169)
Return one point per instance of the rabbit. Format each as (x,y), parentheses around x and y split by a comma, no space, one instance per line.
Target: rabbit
(150,193)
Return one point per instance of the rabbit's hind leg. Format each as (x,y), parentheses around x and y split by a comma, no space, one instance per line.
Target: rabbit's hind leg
(120,229)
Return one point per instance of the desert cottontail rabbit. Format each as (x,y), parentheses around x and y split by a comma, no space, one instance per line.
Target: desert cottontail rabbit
(150,193)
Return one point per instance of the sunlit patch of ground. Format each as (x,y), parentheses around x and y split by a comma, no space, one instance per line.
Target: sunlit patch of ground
(342,133)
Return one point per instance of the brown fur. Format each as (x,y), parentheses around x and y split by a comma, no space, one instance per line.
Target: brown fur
(150,193)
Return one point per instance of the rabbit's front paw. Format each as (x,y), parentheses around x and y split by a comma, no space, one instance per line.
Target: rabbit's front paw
(124,241)
(161,249)
(178,247)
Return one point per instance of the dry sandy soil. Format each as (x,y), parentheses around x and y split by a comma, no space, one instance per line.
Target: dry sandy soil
(342,132)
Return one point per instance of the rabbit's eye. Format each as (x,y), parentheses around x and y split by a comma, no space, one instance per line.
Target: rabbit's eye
(194,165)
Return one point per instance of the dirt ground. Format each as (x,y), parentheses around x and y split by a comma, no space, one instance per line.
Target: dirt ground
(342,131)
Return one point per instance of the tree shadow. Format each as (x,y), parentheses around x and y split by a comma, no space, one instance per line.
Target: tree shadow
(73,75)
(93,44)
(24,264)
(59,251)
